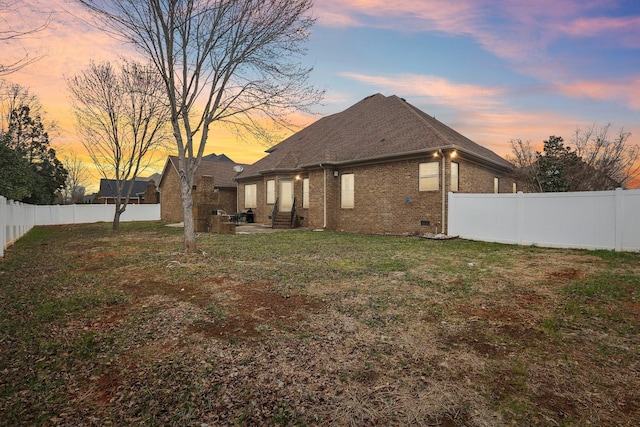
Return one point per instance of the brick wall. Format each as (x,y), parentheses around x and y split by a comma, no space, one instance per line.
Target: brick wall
(206,197)
(387,198)
(170,200)
(475,178)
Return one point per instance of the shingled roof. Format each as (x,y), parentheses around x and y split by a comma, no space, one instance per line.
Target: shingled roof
(221,170)
(108,187)
(376,128)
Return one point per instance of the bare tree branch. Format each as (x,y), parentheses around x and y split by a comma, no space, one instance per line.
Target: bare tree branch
(234,62)
(613,157)
(8,34)
(122,118)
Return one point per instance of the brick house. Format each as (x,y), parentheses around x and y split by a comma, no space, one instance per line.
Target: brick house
(380,166)
(143,191)
(213,189)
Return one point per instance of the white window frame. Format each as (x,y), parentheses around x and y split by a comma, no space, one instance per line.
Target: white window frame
(305,193)
(455,177)
(250,196)
(347,191)
(429,176)
(271,191)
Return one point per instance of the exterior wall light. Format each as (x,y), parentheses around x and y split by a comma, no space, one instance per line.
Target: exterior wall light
(336,173)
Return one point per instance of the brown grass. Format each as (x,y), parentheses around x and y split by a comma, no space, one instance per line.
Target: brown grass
(313,329)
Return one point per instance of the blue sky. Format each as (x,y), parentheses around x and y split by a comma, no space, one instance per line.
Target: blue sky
(493,70)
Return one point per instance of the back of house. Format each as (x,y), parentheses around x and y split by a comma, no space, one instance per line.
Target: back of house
(380,166)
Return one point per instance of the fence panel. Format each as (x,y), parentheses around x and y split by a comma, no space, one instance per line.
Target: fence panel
(588,220)
(629,218)
(16,219)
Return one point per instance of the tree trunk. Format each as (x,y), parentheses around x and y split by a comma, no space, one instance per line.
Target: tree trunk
(116,218)
(187,210)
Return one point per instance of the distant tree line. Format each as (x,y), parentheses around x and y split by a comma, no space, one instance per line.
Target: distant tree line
(592,161)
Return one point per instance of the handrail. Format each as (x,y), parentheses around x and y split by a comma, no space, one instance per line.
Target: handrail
(293,212)
(275,211)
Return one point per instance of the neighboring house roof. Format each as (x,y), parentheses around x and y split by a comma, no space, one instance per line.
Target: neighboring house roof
(108,187)
(217,158)
(221,170)
(375,129)
(155,178)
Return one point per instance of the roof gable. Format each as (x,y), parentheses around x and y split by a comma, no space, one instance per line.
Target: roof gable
(377,127)
(221,169)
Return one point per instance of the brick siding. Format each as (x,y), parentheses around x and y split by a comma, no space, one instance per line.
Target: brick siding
(206,198)
(386,200)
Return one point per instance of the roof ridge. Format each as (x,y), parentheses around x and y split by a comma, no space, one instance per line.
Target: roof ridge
(414,110)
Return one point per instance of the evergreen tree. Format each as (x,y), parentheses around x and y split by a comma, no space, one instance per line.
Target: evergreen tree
(555,166)
(16,179)
(27,138)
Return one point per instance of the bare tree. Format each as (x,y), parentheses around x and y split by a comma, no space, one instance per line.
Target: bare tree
(230,61)
(614,158)
(77,176)
(9,34)
(14,96)
(591,161)
(122,117)
(526,167)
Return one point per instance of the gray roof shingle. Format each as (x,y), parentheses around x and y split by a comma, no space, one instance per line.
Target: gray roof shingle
(377,127)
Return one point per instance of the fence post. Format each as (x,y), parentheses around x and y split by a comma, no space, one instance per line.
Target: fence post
(3,225)
(619,211)
(519,217)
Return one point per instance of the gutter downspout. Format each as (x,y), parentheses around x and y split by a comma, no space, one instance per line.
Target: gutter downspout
(444,221)
(324,207)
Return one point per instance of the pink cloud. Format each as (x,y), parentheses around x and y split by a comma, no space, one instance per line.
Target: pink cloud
(437,89)
(403,15)
(518,31)
(628,91)
(482,113)
(625,29)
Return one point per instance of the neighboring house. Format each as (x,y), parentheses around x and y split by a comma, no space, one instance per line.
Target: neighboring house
(143,191)
(213,189)
(381,166)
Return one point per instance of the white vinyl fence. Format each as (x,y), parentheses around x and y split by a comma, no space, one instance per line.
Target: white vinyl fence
(16,219)
(587,220)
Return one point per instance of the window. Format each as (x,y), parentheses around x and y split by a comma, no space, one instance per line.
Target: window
(429,176)
(271,192)
(496,185)
(347,191)
(454,176)
(250,196)
(305,193)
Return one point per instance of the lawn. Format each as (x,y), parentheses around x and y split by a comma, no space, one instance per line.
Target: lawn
(313,328)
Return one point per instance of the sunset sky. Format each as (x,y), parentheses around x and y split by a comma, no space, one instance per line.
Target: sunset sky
(492,70)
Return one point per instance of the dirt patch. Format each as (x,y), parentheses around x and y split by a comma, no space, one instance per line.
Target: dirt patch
(106,386)
(254,309)
(566,274)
